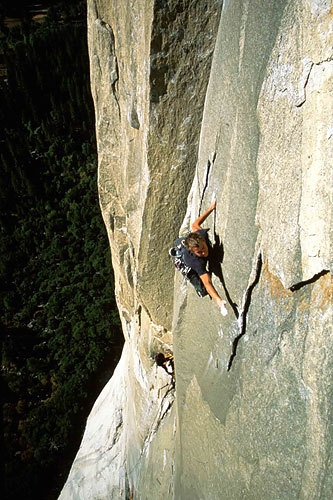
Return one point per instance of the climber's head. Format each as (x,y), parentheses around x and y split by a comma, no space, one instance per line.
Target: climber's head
(196,244)
(160,359)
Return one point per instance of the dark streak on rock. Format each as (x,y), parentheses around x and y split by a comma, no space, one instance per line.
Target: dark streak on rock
(314,278)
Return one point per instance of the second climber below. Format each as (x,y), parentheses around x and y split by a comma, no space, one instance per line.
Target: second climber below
(197,253)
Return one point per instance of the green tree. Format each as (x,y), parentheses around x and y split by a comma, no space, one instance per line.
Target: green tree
(58,309)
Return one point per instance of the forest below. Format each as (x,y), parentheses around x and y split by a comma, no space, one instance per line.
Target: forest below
(61,335)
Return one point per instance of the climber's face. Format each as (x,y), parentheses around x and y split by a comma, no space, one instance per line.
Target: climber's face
(201,250)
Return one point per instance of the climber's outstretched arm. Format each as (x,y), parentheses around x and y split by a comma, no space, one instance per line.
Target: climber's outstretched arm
(196,225)
(207,281)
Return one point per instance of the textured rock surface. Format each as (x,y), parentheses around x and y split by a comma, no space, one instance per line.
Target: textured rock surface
(250,124)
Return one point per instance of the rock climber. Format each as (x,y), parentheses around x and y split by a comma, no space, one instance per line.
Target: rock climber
(196,256)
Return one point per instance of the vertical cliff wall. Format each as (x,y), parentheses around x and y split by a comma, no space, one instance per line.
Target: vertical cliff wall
(196,100)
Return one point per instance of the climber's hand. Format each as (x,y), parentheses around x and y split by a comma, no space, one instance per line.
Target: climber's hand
(222,306)
(213,206)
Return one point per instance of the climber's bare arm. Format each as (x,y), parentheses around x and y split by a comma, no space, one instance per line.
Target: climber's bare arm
(196,225)
(206,279)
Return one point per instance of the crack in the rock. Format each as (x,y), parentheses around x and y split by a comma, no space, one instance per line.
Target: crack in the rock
(209,165)
(314,278)
(215,267)
(112,58)
(215,263)
(307,72)
(168,398)
(114,77)
(117,432)
(243,315)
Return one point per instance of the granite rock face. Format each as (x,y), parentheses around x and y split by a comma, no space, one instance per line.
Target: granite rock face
(197,100)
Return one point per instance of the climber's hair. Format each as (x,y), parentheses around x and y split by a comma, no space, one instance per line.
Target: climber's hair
(193,240)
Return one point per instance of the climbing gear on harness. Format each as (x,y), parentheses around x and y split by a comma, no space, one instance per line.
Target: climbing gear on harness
(177,254)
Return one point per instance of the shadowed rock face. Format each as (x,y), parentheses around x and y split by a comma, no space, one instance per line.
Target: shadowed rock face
(197,100)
